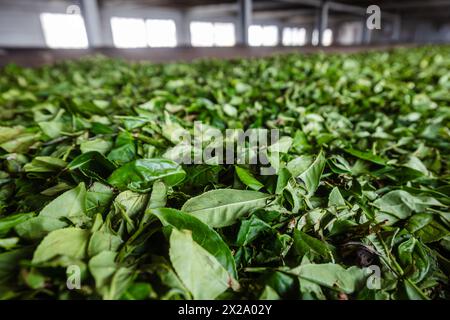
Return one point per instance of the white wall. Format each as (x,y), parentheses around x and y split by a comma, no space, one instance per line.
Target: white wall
(20,25)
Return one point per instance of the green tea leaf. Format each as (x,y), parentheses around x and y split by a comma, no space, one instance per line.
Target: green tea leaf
(223,207)
(331,275)
(248,179)
(70,242)
(311,176)
(139,175)
(202,234)
(200,272)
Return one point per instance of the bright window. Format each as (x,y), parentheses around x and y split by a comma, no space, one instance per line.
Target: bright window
(224,35)
(128,32)
(208,34)
(202,34)
(64,30)
(294,36)
(255,35)
(161,33)
(327,38)
(262,35)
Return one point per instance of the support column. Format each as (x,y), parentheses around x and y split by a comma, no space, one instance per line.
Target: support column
(322,21)
(245,20)
(366,33)
(396,28)
(280,33)
(183,29)
(91,15)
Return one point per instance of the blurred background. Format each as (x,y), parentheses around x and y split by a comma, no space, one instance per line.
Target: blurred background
(33,32)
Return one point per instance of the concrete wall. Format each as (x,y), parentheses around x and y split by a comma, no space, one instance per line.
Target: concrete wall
(427,31)
(20,25)
(37,57)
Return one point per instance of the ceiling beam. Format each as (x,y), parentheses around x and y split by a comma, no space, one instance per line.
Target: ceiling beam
(337,6)
(417,4)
